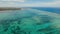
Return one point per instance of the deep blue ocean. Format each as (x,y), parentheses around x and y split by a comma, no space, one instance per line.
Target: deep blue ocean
(49,9)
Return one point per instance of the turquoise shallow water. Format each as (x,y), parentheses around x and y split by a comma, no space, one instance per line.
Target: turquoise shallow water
(28,22)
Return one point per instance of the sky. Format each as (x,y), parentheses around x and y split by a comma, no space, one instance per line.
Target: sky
(29,3)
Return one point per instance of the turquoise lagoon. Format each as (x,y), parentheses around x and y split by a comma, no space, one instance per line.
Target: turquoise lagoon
(29,21)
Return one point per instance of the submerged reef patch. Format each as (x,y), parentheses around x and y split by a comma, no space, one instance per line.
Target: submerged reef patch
(27,22)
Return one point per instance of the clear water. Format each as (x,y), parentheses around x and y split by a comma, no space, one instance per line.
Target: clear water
(28,22)
(48,9)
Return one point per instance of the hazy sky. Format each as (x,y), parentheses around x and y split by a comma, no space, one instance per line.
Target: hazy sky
(29,3)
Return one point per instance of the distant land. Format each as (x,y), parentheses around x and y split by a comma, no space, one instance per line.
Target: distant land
(9,8)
